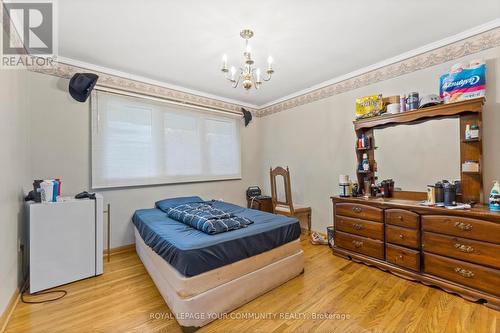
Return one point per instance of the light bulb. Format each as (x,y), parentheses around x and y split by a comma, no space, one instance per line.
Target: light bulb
(258,74)
(249,48)
(270,64)
(224,63)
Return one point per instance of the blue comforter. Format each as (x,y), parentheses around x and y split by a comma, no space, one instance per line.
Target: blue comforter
(202,216)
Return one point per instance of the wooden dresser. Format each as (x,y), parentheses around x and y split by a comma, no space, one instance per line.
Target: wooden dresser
(456,250)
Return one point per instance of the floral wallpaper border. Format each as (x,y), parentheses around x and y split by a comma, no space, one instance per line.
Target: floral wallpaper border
(477,43)
(117,82)
(471,45)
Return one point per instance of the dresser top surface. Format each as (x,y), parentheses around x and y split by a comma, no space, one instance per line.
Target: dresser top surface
(478,211)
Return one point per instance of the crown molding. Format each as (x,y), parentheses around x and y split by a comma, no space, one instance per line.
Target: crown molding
(143,79)
(470,41)
(467,42)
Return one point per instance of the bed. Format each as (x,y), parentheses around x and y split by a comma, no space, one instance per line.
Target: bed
(203,276)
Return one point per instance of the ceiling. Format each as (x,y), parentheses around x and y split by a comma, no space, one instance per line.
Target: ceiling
(181,42)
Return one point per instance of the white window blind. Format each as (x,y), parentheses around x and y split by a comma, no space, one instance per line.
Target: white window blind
(137,141)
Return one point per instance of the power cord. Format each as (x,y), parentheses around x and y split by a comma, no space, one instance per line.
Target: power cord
(26,285)
(64,293)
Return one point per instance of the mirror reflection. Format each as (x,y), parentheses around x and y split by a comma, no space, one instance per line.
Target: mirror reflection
(418,155)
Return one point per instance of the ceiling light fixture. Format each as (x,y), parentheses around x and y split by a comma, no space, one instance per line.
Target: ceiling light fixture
(248,75)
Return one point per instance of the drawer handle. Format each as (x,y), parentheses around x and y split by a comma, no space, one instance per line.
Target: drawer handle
(400,218)
(463,226)
(465,273)
(401,236)
(464,248)
(400,257)
(357,244)
(356,209)
(357,226)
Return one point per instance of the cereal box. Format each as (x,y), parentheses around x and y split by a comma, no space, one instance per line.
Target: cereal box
(369,106)
(463,84)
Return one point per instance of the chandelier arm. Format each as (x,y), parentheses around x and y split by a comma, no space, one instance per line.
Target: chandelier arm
(255,84)
(268,77)
(227,76)
(235,83)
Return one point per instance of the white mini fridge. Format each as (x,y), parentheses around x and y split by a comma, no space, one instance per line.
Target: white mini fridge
(65,241)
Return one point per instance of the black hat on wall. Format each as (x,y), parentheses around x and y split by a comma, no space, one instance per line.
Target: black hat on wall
(81,85)
(247,115)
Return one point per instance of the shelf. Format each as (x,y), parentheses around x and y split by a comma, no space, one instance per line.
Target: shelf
(472,172)
(363,171)
(471,140)
(366,148)
(439,111)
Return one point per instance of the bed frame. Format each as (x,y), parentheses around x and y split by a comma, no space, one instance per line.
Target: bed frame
(196,311)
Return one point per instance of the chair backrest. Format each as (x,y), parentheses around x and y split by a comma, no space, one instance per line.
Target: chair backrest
(276,172)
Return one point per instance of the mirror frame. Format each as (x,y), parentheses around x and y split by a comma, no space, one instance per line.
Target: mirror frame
(468,112)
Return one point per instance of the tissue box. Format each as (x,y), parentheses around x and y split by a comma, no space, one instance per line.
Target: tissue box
(470,166)
(467,83)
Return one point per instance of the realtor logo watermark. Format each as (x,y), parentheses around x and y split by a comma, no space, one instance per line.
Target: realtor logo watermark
(29,36)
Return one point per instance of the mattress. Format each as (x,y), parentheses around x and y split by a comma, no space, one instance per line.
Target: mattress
(186,287)
(198,310)
(192,252)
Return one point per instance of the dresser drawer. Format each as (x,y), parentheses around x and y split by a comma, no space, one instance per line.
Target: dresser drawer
(467,274)
(359,211)
(402,256)
(402,236)
(366,246)
(462,227)
(460,248)
(402,218)
(360,227)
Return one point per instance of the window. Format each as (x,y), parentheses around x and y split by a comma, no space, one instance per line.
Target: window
(137,141)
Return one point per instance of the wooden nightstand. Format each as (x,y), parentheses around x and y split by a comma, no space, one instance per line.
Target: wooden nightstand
(261,202)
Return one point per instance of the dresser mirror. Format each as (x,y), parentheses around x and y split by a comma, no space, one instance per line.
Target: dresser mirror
(418,155)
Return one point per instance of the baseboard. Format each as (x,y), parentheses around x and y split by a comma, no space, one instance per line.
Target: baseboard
(4,318)
(119,250)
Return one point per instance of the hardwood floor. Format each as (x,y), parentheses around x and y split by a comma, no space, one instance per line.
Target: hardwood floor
(356,297)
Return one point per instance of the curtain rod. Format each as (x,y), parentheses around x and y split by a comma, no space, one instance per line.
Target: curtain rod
(164,100)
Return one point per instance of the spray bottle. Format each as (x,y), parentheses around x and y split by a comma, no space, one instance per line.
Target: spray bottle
(495,197)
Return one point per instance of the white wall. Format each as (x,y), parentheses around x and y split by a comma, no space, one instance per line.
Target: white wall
(317,140)
(60,148)
(13,175)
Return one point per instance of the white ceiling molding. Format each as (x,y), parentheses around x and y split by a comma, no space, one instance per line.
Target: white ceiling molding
(468,42)
(471,41)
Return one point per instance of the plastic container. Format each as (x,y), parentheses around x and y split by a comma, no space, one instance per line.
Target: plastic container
(413,101)
(439,192)
(47,191)
(495,197)
(364,163)
(450,194)
(329,233)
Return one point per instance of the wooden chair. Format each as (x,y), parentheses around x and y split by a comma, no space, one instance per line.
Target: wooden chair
(287,208)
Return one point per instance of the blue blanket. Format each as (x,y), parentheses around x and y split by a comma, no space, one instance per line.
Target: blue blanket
(202,216)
